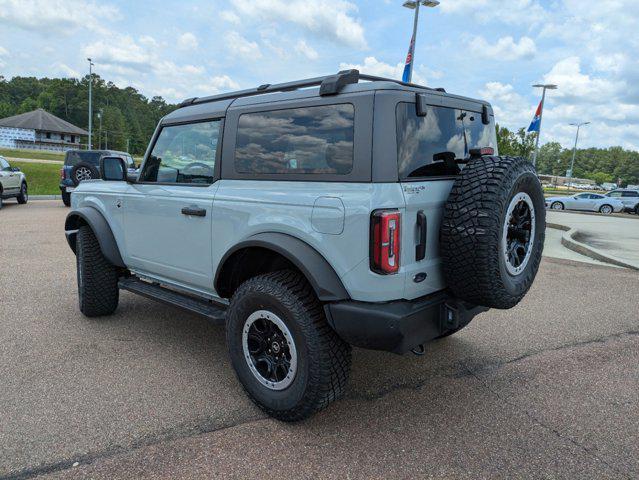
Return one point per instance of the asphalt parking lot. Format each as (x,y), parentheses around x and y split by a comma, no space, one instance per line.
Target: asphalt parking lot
(549,389)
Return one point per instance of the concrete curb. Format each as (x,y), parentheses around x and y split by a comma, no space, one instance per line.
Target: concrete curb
(45,197)
(570,243)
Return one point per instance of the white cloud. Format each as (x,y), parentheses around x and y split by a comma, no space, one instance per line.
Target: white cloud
(231,17)
(56,17)
(217,84)
(331,19)
(506,48)
(120,51)
(65,70)
(3,51)
(187,41)
(304,49)
(512,12)
(241,46)
(511,109)
(372,66)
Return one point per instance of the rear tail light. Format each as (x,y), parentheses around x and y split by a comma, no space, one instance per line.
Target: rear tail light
(62,174)
(385,241)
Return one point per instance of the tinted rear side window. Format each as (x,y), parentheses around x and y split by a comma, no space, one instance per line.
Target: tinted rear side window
(423,143)
(304,140)
(73,158)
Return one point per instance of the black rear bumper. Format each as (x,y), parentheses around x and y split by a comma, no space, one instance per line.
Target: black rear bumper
(399,326)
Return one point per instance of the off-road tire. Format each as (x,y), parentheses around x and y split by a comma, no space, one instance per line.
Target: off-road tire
(323,359)
(471,231)
(98,291)
(66,198)
(93,172)
(23,197)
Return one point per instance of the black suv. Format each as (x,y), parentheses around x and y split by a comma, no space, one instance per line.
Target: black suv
(85,165)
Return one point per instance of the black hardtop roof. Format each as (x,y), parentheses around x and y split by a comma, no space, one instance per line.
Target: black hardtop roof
(79,150)
(347,81)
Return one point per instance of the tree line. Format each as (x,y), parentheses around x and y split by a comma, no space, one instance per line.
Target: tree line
(612,164)
(128,117)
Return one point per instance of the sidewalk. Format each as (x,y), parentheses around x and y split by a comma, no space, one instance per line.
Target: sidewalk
(616,236)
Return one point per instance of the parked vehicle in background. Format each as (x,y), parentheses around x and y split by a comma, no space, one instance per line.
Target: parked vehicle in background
(13,183)
(592,202)
(609,186)
(80,165)
(341,210)
(628,197)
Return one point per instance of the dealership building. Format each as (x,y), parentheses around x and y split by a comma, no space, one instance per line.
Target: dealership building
(39,130)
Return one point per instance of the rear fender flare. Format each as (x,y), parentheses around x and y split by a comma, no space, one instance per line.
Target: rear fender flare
(320,274)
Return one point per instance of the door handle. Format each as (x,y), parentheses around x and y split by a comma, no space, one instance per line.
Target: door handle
(422,228)
(194,211)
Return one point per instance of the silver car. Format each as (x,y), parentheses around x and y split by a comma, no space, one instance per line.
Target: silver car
(591,202)
(13,183)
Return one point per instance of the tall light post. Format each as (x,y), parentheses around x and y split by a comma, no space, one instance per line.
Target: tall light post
(546,86)
(90,101)
(574,150)
(414,5)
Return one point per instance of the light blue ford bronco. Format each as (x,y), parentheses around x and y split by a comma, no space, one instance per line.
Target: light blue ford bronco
(312,216)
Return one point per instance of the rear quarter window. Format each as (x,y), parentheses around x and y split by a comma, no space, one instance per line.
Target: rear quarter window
(306,140)
(425,143)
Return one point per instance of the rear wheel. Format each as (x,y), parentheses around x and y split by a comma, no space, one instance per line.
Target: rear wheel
(66,198)
(286,356)
(23,197)
(605,209)
(493,231)
(97,278)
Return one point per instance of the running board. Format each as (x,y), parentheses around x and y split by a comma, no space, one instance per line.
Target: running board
(206,308)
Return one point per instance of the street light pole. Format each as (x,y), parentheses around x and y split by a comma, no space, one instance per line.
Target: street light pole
(547,86)
(100,129)
(90,102)
(574,150)
(414,5)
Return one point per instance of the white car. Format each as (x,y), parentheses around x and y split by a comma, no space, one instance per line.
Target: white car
(592,202)
(13,183)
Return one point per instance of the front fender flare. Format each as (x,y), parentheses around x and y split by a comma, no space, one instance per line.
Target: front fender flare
(94,219)
(320,274)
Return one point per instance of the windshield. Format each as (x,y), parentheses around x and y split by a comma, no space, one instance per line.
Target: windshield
(428,146)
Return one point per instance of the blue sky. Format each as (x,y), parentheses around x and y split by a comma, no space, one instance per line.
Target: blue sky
(490,49)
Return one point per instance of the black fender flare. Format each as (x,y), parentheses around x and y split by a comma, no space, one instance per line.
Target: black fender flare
(320,274)
(94,219)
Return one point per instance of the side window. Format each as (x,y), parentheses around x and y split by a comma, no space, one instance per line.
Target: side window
(308,140)
(184,154)
(583,196)
(614,194)
(4,165)
(428,146)
(630,194)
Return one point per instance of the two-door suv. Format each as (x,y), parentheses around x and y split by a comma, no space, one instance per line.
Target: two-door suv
(312,216)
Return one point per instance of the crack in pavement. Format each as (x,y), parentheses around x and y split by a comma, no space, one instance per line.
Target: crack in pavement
(170,434)
(210,425)
(537,421)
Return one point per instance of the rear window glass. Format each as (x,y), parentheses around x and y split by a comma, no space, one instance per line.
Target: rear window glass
(73,158)
(309,140)
(427,146)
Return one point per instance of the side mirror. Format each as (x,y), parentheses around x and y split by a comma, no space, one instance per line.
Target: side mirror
(15,169)
(113,169)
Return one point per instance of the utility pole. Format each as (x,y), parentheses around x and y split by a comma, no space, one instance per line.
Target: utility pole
(574,150)
(128,140)
(414,5)
(90,101)
(547,86)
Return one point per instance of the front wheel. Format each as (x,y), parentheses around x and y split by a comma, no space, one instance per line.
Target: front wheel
(605,209)
(23,197)
(288,359)
(97,278)
(557,206)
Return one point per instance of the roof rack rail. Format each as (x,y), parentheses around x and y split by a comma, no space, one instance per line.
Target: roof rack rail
(329,85)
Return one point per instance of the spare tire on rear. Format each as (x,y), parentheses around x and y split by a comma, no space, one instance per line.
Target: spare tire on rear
(493,230)
(83,171)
